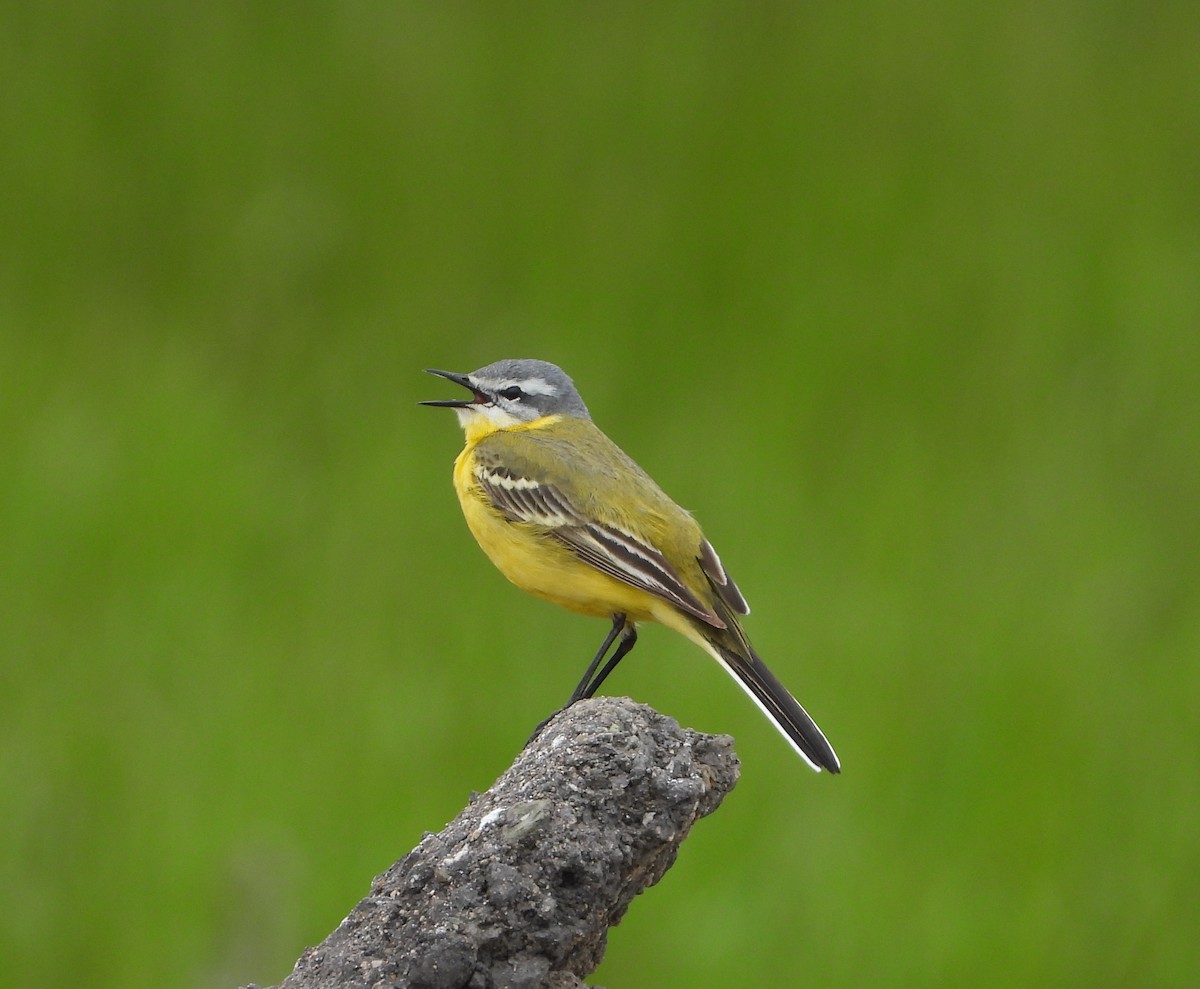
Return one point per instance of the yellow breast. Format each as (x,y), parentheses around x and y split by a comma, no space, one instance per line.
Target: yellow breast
(530,557)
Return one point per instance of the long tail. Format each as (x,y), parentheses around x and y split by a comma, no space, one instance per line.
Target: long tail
(731,649)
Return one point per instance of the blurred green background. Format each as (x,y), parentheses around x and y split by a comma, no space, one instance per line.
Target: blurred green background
(903,300)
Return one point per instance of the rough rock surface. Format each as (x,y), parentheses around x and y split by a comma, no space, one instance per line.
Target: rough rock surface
(519,890)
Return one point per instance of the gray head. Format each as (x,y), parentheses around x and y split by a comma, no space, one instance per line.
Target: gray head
(510,392)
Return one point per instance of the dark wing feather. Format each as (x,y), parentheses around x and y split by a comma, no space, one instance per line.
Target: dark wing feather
(610,549)
(721,582)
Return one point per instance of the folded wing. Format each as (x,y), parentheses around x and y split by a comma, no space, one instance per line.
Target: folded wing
(611,549)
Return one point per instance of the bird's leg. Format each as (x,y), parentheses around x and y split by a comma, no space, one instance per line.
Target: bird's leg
(628,641)
(587,686)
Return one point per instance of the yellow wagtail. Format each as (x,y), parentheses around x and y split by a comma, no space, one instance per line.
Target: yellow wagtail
(565,514)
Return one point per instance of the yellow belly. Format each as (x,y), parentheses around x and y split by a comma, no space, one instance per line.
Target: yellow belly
(541,565)
(538,563)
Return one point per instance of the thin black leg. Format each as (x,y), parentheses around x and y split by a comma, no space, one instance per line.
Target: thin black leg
(588,686)
(581,689)
(628,641)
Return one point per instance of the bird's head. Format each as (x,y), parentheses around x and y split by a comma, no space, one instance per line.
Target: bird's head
(510,393)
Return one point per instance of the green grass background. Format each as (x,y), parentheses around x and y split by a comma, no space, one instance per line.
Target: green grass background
(903,300)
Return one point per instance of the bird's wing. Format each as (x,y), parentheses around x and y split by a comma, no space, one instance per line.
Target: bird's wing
(721,582)
(602,543)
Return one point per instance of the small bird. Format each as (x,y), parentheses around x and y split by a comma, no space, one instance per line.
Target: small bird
(565,514)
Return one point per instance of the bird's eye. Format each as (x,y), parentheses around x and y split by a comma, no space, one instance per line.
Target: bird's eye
(512,393)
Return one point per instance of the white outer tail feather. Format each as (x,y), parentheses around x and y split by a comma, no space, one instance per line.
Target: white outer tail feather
(715,653)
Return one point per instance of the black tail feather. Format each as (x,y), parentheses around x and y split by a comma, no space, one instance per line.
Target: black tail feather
(775,701)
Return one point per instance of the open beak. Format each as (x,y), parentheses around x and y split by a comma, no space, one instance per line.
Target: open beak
(456,403)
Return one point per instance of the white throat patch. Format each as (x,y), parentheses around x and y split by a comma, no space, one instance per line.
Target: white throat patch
(493,413)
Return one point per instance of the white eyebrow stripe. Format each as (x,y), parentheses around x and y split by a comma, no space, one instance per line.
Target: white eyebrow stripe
(537,386)
(530,386)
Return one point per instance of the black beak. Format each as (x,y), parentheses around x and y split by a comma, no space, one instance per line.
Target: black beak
(455,403)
